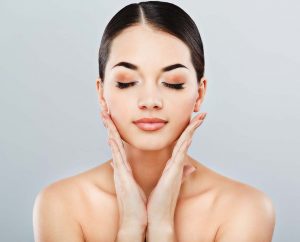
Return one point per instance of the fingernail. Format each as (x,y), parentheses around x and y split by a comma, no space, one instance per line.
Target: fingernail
(199,122)
(201,117)
(193,169)
(106,115)
(104,122)
(188,170)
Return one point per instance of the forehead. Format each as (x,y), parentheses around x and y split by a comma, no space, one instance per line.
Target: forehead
(148,48)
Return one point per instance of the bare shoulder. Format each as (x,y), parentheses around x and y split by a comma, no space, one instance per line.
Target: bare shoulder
(52,214)
(246,213)
(71,188)
(56,210)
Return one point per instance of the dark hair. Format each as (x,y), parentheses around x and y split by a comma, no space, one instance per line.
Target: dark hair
(159,15)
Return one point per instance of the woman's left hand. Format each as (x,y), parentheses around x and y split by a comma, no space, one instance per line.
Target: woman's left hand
(163,199)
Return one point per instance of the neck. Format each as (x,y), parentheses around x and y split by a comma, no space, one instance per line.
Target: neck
(147,165)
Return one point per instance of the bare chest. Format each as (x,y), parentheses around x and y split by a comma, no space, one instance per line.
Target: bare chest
(195,219)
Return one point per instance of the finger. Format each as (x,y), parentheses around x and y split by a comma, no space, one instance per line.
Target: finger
(112,165)
(189,131)
(198,117)
(185,140)
(181,152)
(176,174)
(117,158)
(113,132)
(172,161)
(187,170)
(103,119)
(195,121)
(182,138)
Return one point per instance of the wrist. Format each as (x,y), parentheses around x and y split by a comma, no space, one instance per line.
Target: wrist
(159,232)
(131,234)
(161,225)
(132,226)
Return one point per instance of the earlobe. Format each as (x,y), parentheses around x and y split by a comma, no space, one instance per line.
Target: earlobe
(197,107)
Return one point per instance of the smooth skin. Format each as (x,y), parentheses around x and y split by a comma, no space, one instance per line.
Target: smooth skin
(156,212)
(209,207)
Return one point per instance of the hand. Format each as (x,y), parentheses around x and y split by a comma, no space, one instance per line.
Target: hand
(162,200)
(131,198)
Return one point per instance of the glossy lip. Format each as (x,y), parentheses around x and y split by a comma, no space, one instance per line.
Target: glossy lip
(150,124)
(150,120)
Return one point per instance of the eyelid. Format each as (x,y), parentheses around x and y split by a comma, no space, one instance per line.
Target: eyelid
(177,86)
(133,81)
(174,86)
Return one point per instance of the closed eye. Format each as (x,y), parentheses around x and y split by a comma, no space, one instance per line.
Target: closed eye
(174,86)
(123,85)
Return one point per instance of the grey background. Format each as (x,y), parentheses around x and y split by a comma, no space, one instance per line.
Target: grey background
(50,125)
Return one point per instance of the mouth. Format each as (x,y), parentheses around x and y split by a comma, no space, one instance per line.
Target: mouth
(147,126)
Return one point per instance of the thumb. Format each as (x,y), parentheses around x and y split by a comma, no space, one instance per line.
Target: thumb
(187,170)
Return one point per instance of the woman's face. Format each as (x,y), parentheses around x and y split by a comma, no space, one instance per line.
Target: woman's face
(150,51)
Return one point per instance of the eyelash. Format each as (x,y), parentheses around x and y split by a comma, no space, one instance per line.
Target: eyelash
(122,85)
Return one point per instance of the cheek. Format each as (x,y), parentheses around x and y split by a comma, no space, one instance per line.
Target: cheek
(121,115)
(181,119)
(181,114)
(182,108)
(177,110)
(117,104)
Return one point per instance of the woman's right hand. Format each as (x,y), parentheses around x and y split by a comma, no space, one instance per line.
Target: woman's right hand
(132,201)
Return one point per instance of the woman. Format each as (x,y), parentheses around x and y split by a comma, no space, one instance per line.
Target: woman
(151,79)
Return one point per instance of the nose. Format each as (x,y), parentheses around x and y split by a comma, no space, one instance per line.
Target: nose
(150,100)
(150,104)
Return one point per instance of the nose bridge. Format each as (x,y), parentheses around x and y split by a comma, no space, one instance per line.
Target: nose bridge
(150,95)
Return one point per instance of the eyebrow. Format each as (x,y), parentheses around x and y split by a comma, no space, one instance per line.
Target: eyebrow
(134,67)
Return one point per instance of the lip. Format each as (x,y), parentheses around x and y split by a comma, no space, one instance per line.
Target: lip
(150,120)
(150,124)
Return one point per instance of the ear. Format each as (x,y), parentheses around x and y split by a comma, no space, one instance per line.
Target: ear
(101,99)
(201,93)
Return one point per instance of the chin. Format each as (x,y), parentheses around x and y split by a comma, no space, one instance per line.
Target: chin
(152,144)
(148,147)
(148,141)
(147,144)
